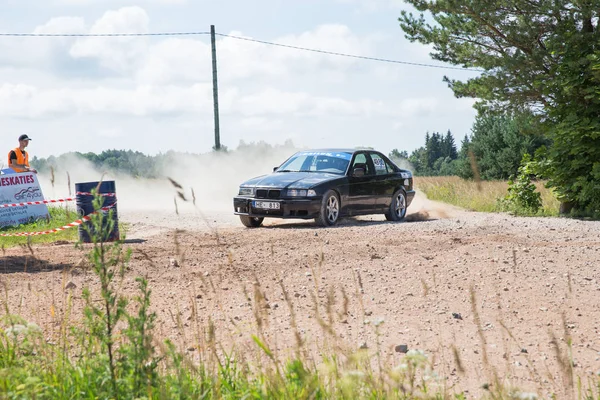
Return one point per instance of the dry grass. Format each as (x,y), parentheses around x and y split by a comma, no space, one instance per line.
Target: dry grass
(478,196)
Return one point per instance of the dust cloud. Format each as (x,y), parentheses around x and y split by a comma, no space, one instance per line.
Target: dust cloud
(423,209)
(403,163)
(212,179)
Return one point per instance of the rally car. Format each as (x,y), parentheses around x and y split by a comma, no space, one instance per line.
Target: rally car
(325,185)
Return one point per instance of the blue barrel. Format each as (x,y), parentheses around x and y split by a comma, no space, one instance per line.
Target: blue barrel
(85,206)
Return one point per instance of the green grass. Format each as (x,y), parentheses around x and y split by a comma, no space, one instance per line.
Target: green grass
(31,369)
(483,196)
(59,216)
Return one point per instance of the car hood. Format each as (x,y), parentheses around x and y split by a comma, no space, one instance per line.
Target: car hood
(295,180)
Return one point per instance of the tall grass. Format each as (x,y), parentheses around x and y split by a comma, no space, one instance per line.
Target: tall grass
(481,196)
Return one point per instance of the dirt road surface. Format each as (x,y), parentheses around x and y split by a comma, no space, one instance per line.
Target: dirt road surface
(536,286)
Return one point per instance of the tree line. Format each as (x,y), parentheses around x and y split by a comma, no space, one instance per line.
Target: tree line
(140,165)
(133,163)
(497,143)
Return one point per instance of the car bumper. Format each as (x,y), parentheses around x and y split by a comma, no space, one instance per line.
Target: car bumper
(288,208)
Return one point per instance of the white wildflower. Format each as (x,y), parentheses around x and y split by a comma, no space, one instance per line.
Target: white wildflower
(15,330)
(526,396)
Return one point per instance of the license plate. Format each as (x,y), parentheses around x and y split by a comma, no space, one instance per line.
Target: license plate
(268,205)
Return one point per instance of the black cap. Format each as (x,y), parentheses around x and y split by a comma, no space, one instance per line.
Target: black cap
(24,137)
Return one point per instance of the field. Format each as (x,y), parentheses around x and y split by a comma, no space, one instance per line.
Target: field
(478,196)
(450,302)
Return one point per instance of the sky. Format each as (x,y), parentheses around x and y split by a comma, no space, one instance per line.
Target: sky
(154,94)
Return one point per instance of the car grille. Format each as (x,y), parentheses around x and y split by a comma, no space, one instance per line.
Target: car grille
(268,193)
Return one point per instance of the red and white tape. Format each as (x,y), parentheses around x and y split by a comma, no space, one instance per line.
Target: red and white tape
(98,194)
(62,228)
(66,199)
(35,203)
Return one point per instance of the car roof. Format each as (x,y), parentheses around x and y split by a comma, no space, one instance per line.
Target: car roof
(334,150)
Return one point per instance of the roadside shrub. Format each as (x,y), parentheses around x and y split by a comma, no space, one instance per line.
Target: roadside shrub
(522,197)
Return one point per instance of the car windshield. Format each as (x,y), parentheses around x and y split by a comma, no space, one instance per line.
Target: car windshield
(335,163)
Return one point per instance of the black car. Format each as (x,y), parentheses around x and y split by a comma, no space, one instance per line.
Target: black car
(326,185)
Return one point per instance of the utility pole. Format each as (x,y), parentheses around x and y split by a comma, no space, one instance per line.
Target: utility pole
(215,88)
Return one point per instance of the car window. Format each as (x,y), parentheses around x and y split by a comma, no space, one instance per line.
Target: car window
(390,167)
(296,164)
(360,161)
(381,167)
(335,163)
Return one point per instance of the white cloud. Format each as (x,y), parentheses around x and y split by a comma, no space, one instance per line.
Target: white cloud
(263,123)
(273,102)
(39,52)
(160,89)
(24,101)
(121,54)
(111,133)
(243,59)
(417,107)
(176,60)
(68,25)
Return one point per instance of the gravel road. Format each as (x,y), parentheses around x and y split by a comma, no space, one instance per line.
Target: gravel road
(535,284)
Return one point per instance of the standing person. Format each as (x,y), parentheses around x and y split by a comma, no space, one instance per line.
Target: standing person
(18,159)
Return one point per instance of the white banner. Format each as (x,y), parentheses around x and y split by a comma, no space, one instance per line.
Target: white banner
(20,188)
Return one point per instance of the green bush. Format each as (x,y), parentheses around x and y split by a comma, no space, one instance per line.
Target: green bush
(522,197)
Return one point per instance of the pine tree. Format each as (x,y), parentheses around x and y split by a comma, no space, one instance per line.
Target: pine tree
(433,150)
(463,163)
(449,146)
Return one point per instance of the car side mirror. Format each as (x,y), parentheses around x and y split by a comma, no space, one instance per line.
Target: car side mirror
(358,172)
(275,169)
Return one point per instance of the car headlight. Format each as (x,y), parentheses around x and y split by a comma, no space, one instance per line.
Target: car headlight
(246,191)
(301,193)
(296,192)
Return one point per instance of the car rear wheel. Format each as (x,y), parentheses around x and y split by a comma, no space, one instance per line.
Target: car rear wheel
(330,209)
(397,210)
(251,222)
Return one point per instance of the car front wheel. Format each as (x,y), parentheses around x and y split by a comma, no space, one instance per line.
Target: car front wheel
(251,222)
(397,210)
(330,209)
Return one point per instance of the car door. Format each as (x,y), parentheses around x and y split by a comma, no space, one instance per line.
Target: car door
(384,181)
(360,190)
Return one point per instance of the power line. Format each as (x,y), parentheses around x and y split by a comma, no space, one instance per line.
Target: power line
(349,55)
(386,60)
(102,34)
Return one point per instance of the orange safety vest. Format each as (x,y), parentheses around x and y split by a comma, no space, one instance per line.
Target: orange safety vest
(22,159)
